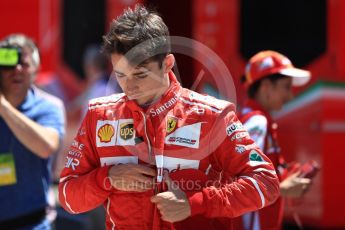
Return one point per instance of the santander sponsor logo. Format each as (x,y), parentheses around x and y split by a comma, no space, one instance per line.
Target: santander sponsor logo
(158,110)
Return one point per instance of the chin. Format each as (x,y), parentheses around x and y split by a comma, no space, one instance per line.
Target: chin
(134,97)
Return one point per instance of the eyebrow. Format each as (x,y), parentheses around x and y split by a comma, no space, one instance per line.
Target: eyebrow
(118,72)
(141,72)
(136,74)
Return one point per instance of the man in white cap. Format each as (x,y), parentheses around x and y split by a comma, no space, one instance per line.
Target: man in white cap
(268,80)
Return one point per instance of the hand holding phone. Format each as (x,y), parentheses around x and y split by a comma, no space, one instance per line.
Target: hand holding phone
(309,169)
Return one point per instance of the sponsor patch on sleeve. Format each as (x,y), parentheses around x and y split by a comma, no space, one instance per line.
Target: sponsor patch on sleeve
(255,156)
(71,163)
(126,132)
(240,149)
(106,133)
(239,136)
(188,136)
(119,132)
(171,124)
(234,127)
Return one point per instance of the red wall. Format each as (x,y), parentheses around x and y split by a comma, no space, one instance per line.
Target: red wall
(313,127)
(302,134)
(39,19)
(216,24)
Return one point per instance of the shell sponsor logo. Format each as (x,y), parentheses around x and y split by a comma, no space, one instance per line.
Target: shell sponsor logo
(105,133)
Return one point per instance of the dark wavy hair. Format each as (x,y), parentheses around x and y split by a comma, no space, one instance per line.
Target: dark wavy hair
(139,34)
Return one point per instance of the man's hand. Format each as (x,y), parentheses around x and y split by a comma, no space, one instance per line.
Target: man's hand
(173,204)
(294,187)
(132,177)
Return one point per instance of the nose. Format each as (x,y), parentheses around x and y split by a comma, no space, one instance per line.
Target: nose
(131,84)
(19,68)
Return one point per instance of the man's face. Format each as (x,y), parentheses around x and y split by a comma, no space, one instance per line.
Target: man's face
(142,83)
(280,93)
(18,80)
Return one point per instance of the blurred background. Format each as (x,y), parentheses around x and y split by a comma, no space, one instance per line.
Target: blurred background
(310,32)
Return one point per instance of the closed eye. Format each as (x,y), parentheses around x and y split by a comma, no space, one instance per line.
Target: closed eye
(119,75)
(141,76)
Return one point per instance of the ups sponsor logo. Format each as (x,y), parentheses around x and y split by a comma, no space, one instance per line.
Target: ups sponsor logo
(126,131)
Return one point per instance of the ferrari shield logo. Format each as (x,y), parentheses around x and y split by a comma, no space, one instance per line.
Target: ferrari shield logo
(171,124)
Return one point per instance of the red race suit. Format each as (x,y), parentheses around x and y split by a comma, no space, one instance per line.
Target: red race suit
(196,138)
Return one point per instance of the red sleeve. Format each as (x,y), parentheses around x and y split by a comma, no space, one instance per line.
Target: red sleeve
(83,182)
(248,179)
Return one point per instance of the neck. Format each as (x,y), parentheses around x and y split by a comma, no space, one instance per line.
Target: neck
(154,98)
(15,100)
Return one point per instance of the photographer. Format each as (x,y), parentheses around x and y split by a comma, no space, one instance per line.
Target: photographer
(32,128)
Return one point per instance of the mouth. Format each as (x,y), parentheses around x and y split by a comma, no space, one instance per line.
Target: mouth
(17,82)
(134,95)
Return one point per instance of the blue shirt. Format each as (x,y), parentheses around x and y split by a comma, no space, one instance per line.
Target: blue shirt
(30,192)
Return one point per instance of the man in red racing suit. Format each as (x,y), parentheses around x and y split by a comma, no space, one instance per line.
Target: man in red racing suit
(207,136)
(206,167)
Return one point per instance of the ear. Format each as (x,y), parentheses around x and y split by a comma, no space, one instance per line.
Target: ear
(168,63)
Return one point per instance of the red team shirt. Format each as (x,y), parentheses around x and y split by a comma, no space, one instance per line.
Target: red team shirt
(263,131)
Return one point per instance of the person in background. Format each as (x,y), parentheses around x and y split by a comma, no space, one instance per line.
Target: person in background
(31,129)
(97,77)
(269,78)
(134,150)
(97,73)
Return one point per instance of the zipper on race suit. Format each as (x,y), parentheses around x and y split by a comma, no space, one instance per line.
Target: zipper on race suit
(147,138)
(158,160)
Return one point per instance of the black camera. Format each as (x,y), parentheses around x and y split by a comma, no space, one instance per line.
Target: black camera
(10,57)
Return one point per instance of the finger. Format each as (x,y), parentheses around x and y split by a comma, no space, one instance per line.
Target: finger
(167,219)
(137,181)
(295,174)
(142,178)
(143,186)
(159,206)
(307,184)
(156,199)
(305,181)
(165,216)
(146,170)
(171,185)
(302,181)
